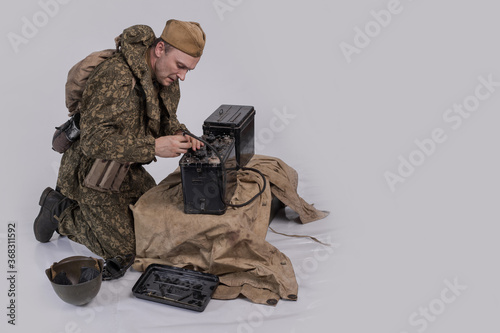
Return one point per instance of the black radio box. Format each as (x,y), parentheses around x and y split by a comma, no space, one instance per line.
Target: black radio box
(204,176)
(236,121)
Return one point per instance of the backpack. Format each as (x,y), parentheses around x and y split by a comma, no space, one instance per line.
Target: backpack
(78,75)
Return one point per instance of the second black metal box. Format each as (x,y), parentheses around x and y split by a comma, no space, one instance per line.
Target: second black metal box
(236,121)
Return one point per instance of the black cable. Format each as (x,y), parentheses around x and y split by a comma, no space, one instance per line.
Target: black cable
(223,169)
(255,196)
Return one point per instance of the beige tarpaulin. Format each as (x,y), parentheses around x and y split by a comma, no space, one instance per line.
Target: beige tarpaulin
(231,246)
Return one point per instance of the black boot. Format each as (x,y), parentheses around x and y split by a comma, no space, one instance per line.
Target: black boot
(116,267)
(53,204)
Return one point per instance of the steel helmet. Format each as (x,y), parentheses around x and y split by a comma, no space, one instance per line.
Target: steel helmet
(76,280)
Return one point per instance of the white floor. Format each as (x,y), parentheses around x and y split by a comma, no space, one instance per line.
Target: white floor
(390,121)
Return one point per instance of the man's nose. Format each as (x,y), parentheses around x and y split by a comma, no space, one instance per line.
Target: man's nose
(182,75)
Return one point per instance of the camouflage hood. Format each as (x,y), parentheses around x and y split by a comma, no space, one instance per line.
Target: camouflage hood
(134,42)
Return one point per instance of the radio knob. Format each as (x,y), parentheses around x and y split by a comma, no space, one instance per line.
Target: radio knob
(211,138)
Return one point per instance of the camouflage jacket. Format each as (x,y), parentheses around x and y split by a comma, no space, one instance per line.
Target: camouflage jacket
(121,115)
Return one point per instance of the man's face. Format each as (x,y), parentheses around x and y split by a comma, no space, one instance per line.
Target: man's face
(171,66)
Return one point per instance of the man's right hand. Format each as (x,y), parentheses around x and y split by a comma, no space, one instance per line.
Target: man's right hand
(171,145)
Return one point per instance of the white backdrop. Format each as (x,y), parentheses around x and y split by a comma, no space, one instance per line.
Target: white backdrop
(387,109)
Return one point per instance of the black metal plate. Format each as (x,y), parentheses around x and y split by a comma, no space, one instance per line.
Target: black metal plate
(176,286)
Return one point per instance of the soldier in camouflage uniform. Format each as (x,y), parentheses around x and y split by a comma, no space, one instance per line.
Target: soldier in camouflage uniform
(128,115)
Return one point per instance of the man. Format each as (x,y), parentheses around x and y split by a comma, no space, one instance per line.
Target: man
(128,116)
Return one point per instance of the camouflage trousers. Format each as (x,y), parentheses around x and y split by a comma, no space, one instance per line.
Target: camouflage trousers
(106,230)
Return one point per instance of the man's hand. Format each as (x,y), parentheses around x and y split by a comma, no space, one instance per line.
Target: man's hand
(172,145)
(195,144)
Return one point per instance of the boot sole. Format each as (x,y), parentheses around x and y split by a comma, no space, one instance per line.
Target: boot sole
(35,224)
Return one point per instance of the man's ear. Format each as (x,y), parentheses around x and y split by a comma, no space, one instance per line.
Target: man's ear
(159,49)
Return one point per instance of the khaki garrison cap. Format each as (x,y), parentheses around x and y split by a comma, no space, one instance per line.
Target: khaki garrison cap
(185,36)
